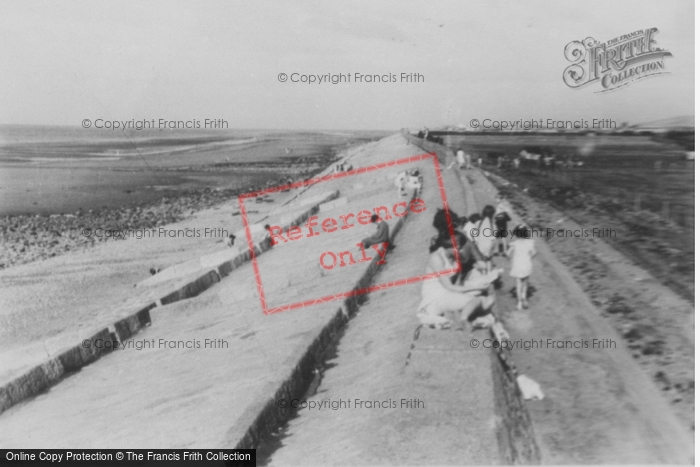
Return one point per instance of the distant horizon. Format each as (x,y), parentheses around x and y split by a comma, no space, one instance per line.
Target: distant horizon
(350,66)
(418,127)
(78,127)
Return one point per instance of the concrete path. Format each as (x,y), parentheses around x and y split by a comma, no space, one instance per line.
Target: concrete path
(599,407)
(454,423)
(237,357)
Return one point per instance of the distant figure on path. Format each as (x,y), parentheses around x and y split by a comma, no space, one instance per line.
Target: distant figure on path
(342,167)
(268,236)
(502,218)
(231,240)
(521,251)
(460,159)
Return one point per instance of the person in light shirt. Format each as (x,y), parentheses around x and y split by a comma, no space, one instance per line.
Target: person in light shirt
(521,251)
(485,237)
(400,182)
(460,159)
(413,183)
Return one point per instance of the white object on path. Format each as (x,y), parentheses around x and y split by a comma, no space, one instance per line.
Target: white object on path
(483,322)
(529,388)
(439,322)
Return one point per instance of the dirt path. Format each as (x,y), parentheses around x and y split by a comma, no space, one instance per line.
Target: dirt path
(454,424)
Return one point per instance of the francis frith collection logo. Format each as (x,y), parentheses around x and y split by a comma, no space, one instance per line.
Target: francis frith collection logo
(614,63)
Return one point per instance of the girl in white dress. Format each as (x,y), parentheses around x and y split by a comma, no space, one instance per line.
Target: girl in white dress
(521,250)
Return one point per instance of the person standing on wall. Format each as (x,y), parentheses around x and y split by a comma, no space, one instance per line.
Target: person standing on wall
(460,159)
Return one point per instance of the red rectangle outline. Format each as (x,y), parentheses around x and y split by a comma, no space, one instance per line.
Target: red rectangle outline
(333,176)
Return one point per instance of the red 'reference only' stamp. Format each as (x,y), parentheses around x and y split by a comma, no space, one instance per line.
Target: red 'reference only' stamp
(315,227)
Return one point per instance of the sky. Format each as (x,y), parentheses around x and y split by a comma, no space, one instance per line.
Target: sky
(66,61)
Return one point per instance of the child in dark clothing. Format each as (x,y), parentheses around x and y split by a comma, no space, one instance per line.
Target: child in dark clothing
(502,218)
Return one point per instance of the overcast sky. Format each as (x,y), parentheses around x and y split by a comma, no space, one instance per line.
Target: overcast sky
(66,61)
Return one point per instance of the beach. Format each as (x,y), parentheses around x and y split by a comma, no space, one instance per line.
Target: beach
(57,181)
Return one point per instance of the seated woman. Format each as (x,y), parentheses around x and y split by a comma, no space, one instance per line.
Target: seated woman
(400,182)
(414,184)
(442,224)
(469,256)
(441,296)
(470,259)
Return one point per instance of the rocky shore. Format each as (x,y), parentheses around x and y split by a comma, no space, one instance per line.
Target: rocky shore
(27,238)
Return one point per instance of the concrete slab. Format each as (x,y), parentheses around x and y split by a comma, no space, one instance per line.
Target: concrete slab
(434,392)
(151,386)
(333,204)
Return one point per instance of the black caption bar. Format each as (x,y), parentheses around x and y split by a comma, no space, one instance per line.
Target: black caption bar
(105,457)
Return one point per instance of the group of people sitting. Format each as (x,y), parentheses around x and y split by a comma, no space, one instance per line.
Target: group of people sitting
(409,181)
(471,244)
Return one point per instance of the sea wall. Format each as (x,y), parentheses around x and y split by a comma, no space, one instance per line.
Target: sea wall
(516,437)
(265,417)
(73,357)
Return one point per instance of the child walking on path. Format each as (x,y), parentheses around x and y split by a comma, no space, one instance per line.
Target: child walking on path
(502,218)
(521,251)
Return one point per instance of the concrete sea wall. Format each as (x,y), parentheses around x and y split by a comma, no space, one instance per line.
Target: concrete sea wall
(73,357)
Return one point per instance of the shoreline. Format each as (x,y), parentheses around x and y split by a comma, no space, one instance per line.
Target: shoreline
(33,237)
